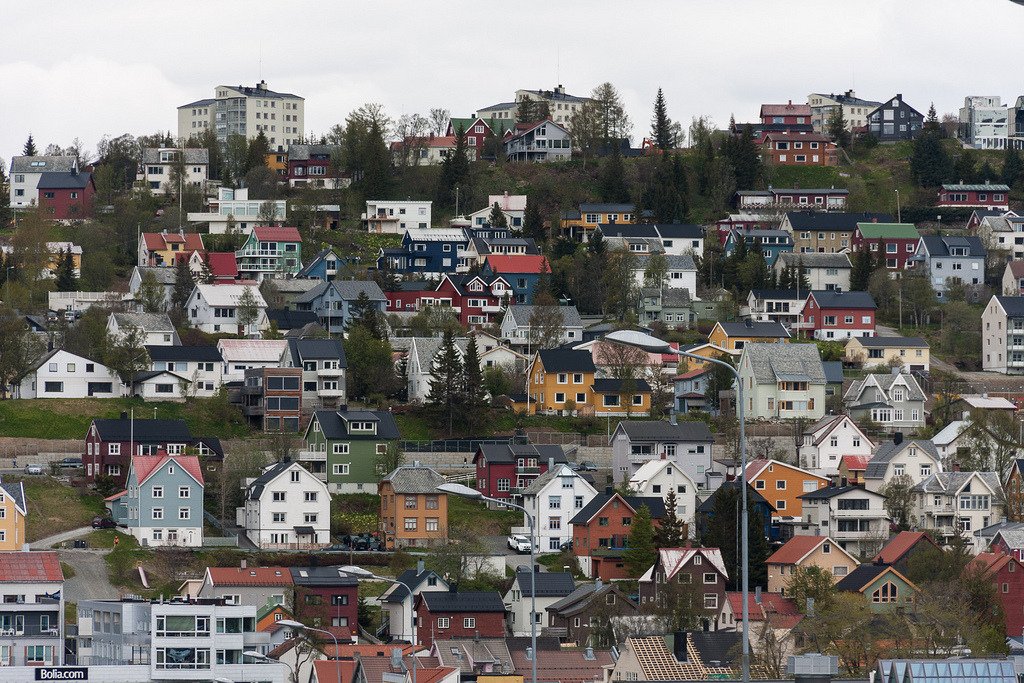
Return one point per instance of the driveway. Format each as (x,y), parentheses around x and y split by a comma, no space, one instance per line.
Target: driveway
(90,581)
(56,539)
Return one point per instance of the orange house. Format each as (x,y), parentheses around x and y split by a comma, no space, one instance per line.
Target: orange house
(705,350)
(561,380)
(268,615)
(413,513)
(734,336)
(277,162)
(782,485)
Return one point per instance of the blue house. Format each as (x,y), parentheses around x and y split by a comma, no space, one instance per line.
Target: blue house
(520,271)
(489,232)
(429,251)
(332,301)
(771,243)
(163,502)
(326,265)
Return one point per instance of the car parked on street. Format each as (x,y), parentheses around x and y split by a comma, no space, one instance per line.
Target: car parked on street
(103,523)
(521,544)
(33,469)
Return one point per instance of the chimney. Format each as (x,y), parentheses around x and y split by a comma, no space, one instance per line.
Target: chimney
(790,103)
(551,464)
(396,658)
(588,654)
(453,587)
(419,567)
(244,563)
(679,646)
(609,490)
(749,323)
(536,569)
(956,467)
(810,607)
(529,654)
(672,420)
(842,481)
(597,585)
(897,438)
(664,456)
(757,595)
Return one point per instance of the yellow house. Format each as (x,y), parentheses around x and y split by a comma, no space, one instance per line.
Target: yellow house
(561,381)
(734,336)
(912,352)
(589,216)
(801,552)
(620,398)
(277,162)
(12,516)
(706,350)
(165,248)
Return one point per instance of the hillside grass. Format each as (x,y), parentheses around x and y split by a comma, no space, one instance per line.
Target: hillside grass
(70,418)
(55,507)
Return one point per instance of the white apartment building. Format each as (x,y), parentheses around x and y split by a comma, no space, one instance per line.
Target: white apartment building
(286,508)
(913,458)
(394,217)
(958,503)
(248,354)
(31,610)
(61,374)
(235,206)
(855,109)
(201,366)
(156,328)
(984,122)
(24,174)
(156,170)
(248,111)
(658,478)
(553,499)
(1002,335)
(852,516)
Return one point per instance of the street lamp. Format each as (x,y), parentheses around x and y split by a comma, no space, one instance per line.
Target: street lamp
(464,491)
(299,626)
(899,216)
(361,573)
(654,345)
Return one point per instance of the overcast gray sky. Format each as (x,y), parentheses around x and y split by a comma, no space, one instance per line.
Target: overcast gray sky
(84,69)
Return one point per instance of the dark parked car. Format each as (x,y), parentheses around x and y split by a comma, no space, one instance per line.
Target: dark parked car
(70,463)
(103,523)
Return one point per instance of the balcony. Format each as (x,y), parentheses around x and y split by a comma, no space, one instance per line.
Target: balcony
(331,393)
(491,309)
(526,469)
(858,514)
(330,372)
(313,456)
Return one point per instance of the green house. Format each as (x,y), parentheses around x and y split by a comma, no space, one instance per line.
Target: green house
(343,447)
(881,585)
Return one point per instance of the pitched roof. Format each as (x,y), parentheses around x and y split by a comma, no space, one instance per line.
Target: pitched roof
(249,576)
(316,349)
(888,230)
(255,350)
(887,451)
(146,465)
(30,567)
(15,490)
(611,385)
(815,260)
(203,354)
(834,299)
(856,463)
(267,233)
(521,315)
(886,383)
(150,322)
(223,264)
(145,431)
(785,110)
(287,319)
(517,263)
(950,432)
(771,363)
(41,163)
(582,596)
(655,504)
(269,474)
(833,491)
(548,584)
(158,241)
(672,261)
(193,155)
(228,295)
(672,560)
(566,360)
(975,187)
(799,137)
(892,342)
(861,577)
(843,222)
(1013,305)
(776,609)
(951,482)
(661,430)
(988,402)
(657,660)
(414,479)
(63,180)
(940,246)
(410,577)
(899,545)
(751,328)
(334,424)
(469,601)
(164,276)
(322,576)
(506,453)
(566,666)
(797,548)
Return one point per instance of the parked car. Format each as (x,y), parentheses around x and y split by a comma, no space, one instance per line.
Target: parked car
(103,523)
(33,469)
(70,463)
(521,544)
(586,466)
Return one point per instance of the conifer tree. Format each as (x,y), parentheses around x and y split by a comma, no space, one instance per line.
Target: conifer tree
(837,128)
(1012,169)
(376,163)
(863,266)
(66,280)
(720,532)
(930,163)
(931,122)
(183,285)
(5,198)
(801,276)
(30,147)
(533,220)
(613,177)
(661,124)
(672,532)
(497,218)
(454,172)
(446,385)
(364,312)
(526,110)
(640,552)
(474,398)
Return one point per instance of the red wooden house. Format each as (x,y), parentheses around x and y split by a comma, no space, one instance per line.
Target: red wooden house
(832,315)
(701,569)
(444,615)
(477,130)
(985,195)
(109,444)
(478,300)
(504,470)
(789,114)
(600,532)
(326,597)
(798,149)
(66,195)
(897,241)
(1007,574)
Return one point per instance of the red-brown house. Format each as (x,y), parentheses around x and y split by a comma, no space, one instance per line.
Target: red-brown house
(109,444)
(902,547)
(687,573)
(897,241)
(66,195)
(789,114)
(984,195)
(831,315)
(1007,574)
(475,300)
(325,596)
(600,532)
(504,470)
(798,149)
(444,615)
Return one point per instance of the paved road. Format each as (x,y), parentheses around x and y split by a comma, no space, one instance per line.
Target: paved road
(59,538)
(90,581)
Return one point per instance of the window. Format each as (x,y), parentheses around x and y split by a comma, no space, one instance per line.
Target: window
(53,387)
(410,523)
(780,485)
(157,492)
(888,592)
(340,448)
(711,601)
(184,513)
(278,517)
(554,502)
(158,513)
(444,622)
(341,469)
(710,577)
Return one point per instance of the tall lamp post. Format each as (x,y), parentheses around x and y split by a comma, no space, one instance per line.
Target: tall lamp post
(299,626)
(361,573)
(654,345)
(466,492)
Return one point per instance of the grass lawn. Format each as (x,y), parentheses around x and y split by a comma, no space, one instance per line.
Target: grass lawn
(70,418)
(354,513)
(54,507)
(479,519)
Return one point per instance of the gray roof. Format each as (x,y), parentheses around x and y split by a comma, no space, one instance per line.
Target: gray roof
(848,100)
(893,342)
(16,491)
(472,601)
(23,164)
(1014,305)
(414,479)
(427,348)
(296,284)
(304,152)
(150,322)
(199,103)
(832,491)
(193,155)
(412,579)
(348,290)
(885,382)
(879,464)
(771,362)
(255,489)
(833,371)
(983,187)
(164,276)
(674,262)
(316,349)
(815,260)
(833,299)
(659,430)
(751,328)
(570,316)
(951,482)
(66,180)
(939,246)
(548,584)
(506,453)
(322,576)
(334,424)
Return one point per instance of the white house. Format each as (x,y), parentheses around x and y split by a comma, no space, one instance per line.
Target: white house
(823,271)
(161,385)
(657,478)
(234,206)
(516,329)
(201,366)
(286,508)
(950,439)
(854,517)
(914,458)
(214,309)
(247,354)
(397,601)
(680,273)
(958,503)
(156,328)
(25,173)
(60,374)
(543,589)
(828,440)
(419,359)
(782,381)
(156,170)
(513,207)
(394,217)
(687,445)
(553,499)
(164,277)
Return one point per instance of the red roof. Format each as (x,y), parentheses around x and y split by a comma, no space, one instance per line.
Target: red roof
(30,567)
(517,263)
(795,549)
(266,233)
(780,611)
(328,669)
(1017,268)
(786,110)
(856,463)
(696,372)
(250,576)
(159,241)
(145,465)
(900,545)
(223,264)
(991,562)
